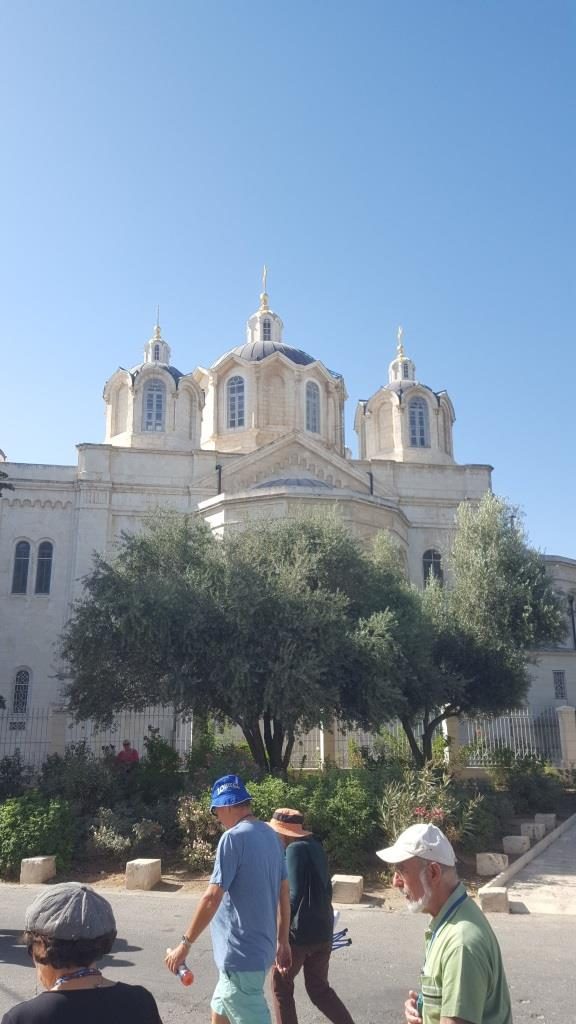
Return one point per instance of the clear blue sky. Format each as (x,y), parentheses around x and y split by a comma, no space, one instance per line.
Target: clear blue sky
(392,162)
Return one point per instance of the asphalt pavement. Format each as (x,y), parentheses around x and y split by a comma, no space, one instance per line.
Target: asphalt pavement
(372,976)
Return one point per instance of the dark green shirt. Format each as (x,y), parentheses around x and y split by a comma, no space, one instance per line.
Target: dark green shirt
(312,917)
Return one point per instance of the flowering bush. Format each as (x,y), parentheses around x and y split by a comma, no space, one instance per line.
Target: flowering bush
(425,795)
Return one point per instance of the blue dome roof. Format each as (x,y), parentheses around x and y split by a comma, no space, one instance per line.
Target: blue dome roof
(255,351)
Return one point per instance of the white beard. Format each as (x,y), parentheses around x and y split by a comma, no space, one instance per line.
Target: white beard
(419,906)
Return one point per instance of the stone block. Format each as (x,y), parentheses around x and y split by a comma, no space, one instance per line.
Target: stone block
(347,888)
(516,844)
(37,869)
(548,820)
(143,873)
(494,899)
(533,830)
(491,863)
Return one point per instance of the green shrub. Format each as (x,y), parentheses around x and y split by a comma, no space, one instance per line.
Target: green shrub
(109,835)
(159,774)
(342,811)
(210,761)
(271,792)
(531,784)
(79,778)
(200,832)
(13,774)
(31,826)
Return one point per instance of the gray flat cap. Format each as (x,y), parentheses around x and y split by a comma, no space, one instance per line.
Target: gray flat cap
(70,911)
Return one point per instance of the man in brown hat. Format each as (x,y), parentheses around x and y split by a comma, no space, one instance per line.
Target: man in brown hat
(311,922)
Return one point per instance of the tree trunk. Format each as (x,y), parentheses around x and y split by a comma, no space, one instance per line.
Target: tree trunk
(253,736)
(417,754)
(428,737)
(290,740)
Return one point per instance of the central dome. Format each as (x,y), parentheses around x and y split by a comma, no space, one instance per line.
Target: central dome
(255,351)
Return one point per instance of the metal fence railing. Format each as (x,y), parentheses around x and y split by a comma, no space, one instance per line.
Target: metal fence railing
(521,732)
(26,734)
(33,734)
(39,732)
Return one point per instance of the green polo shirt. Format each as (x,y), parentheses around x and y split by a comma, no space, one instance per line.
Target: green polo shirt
(463,975)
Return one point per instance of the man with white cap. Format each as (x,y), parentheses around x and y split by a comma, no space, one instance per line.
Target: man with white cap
(462,980)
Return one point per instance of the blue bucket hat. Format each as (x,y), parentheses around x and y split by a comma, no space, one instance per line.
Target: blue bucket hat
(228,791)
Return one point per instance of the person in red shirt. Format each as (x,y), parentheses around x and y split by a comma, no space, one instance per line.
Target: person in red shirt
(128,755)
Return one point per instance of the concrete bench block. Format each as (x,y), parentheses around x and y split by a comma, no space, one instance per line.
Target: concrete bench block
(491,863)
(533,830)
(37,869)
(516,844)
(548,820)
(494,899)
(347,888)
(143,873)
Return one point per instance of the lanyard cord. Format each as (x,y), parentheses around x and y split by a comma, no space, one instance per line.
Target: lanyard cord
(84,972)
(449,913)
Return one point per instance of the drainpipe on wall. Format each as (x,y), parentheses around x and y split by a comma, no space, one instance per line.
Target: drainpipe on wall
(371,479)
(219,472)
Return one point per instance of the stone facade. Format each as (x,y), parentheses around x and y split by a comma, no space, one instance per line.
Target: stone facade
(259,434)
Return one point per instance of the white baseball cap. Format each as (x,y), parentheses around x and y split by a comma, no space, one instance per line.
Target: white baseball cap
(426,841)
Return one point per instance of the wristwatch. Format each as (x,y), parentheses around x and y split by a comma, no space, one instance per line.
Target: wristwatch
(186,941)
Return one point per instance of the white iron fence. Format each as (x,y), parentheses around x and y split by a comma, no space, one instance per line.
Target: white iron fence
(489,740)
(39,732)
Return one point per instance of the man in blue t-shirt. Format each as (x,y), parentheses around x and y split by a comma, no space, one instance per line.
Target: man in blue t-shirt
(247,905)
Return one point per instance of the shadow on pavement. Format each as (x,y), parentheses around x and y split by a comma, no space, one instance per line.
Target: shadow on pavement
(13,952)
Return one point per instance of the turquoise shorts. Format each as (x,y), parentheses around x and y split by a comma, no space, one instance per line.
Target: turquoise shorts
(239,995)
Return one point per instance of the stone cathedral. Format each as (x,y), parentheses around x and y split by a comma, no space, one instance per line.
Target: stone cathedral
(260,433)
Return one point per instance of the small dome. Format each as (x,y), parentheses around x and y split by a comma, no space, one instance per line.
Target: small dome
(255,351)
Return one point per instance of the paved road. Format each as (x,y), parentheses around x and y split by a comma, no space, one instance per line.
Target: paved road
(372,976)
(547,885)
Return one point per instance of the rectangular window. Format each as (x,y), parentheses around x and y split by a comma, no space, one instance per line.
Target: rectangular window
(559,679)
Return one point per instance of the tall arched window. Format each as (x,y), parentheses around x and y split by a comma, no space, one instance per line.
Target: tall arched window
(235,402)
(419,429)
(432,566)
(266,330)
(157,353)
(44,568)
(154,406)
(20,692)
(312,407)
(21,566)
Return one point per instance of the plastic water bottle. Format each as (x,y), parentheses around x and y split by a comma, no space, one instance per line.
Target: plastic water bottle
(185,974)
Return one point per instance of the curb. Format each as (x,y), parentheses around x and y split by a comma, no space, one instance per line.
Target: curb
(504,877)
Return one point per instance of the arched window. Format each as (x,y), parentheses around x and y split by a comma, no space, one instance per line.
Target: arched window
(405,371)
(235,402)
(266,330)
(20,692)
(44,568)
(419,430)
(312,407)
(154,406)
(432,566)
(157,353)
(21,566)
